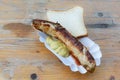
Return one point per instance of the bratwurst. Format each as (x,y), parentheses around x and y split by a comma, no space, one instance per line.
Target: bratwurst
(76,49)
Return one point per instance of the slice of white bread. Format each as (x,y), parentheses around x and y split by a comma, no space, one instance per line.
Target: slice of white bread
(71,19)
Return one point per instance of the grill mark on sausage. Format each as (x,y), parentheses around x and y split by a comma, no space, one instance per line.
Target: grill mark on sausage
(69,37)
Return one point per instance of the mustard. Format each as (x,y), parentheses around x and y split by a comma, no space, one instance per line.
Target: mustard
(58,46)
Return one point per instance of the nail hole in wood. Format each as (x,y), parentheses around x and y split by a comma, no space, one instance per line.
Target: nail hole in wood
(112,77)
(100,14)
(33,76)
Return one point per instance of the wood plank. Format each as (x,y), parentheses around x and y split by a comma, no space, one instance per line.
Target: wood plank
(17,11)
(109,10)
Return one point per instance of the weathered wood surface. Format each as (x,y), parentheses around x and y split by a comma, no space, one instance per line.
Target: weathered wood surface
(19,10)
(21,54)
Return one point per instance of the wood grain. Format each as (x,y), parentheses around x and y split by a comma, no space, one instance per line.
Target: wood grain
(21,54)
(16,11)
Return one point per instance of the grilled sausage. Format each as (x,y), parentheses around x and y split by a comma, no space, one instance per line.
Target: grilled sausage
(79,51)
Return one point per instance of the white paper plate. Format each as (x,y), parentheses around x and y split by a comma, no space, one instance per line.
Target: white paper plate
(69,61)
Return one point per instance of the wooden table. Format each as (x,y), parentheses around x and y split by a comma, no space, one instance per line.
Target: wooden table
(21,54)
